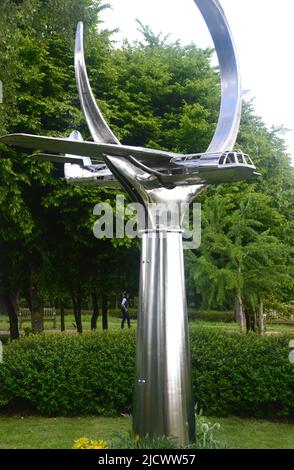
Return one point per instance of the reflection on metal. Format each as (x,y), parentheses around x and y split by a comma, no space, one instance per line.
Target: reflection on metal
(98,127)
(163,403)
(84,171)
(229,119)
(163,396)
(203,168)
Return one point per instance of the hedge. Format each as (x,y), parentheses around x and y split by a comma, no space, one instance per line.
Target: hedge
(61,374)
(94,374)
(226,316)
(244,375)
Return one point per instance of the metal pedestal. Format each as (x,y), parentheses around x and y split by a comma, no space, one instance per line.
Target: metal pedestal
(163,390)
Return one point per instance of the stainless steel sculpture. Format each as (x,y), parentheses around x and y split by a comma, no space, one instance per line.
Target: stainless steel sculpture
(163,391)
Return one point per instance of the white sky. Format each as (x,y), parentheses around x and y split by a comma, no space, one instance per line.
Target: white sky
(264,35)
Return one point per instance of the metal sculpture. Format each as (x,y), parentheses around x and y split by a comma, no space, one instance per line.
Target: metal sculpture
(163,403)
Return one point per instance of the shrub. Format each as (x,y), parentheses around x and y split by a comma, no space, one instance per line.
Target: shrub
(226,316)
(205,432)
(70,374)
(116,313)
(128,441)
(94,373)
(245,375)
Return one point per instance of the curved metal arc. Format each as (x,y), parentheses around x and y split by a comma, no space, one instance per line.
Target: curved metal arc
(230,112)
(98,127)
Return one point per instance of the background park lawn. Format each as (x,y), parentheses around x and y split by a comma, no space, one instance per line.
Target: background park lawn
(35,432)
(114,322)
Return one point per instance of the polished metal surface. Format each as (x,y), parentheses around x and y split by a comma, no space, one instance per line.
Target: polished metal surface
(173,169)
(146,189)
(176,169)
(98,127)
(81,170)
(229,119)
(163,402)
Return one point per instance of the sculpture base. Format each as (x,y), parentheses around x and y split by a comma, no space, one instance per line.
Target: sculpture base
(163,403)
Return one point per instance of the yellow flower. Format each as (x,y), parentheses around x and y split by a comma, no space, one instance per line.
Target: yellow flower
(86,443)
(81,443)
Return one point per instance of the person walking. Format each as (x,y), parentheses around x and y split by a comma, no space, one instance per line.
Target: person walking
(125,310)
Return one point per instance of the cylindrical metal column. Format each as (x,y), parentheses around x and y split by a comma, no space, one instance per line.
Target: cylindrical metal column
(163,390)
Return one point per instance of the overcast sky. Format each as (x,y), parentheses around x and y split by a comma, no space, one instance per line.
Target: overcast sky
(264,35)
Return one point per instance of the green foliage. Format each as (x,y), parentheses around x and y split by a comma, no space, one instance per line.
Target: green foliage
(275,309)
(154,93)
(212,315)
(243,252)
(205,433)
(242,375)
(46,234)
(205,438)
(94,374)
(128,441)
(71,375)
(164,95)
(28,331)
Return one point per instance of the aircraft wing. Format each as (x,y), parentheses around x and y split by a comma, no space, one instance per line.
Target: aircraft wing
(96,151)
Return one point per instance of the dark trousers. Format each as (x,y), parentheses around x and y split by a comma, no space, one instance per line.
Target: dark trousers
(125,316)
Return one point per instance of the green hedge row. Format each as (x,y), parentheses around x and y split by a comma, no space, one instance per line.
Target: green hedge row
(205,315)
(94,374)
(70,374)
(211,315)
(245,375)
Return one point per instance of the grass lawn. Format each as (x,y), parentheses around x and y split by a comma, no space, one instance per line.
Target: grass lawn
(255,434)
(35,432)
(271,328)
(114,324)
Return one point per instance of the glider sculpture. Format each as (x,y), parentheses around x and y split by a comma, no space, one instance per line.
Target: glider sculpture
(163,403)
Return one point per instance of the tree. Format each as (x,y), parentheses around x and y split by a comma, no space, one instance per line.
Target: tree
(153,93)
(241,261)
(38,78)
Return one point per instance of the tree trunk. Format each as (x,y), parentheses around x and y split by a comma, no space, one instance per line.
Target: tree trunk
(261,318)
(36,303)
(79,313)
(239,307)
(251,319)
(73,298)
(3,308)
(254,323)
(37,309)
(11,305)
(248,321)
(239,313)
(77,300)
(104,312)
(62,322)
(95,314)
